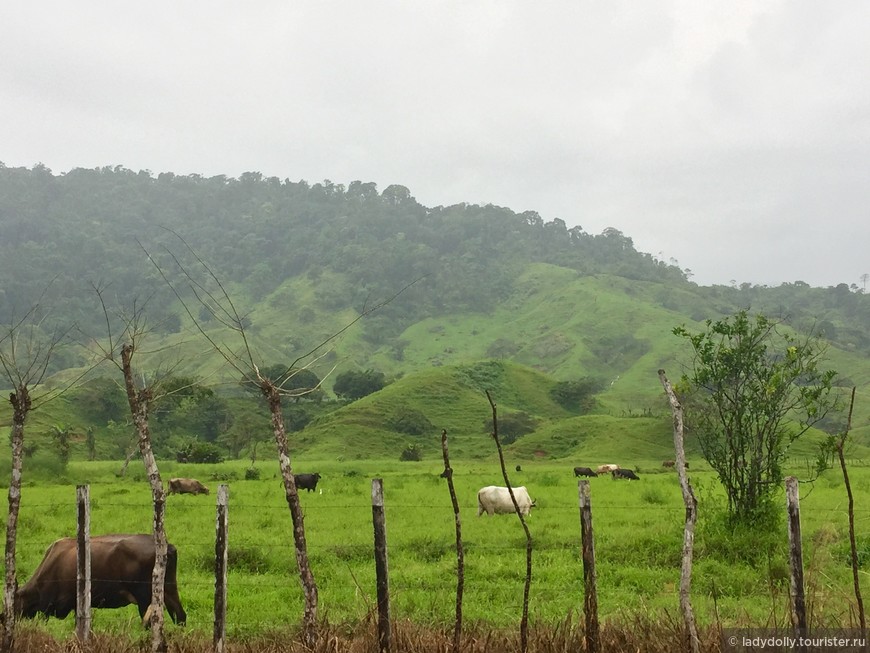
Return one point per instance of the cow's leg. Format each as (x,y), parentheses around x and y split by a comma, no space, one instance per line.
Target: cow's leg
(173,605)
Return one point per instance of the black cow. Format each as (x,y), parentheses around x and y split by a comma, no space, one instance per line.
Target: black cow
(306,481)
(583,471)
(121,568)
(624,473)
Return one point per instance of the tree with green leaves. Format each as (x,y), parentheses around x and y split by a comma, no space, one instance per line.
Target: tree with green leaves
(62,435)
(752,389)
(355,384)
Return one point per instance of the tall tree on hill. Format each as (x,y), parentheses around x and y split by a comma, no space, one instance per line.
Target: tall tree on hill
(354,384)
(752,390)
(26,349)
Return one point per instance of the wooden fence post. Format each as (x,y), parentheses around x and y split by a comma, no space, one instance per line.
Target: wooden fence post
(798,600)
(590,593)
(460,552)
(83,564)
(220,570)
(691,504)
(381,568)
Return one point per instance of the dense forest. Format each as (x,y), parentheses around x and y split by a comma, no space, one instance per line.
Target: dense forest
(302,259)
(92,226)
(258,231)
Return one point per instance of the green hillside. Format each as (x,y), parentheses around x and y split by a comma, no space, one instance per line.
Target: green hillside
(490,300)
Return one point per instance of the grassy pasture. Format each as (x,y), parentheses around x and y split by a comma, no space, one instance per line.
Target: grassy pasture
(741,577)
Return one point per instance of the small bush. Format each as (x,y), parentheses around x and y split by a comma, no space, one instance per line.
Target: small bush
(409,421)
(751,542)
(410,453)
(252,474)
(199,452)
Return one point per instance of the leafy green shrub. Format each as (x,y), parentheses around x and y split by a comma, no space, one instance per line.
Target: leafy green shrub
(738,541)
(195,451)
(409,421)
(512,426)
(252,474)
(410,453)
(483,376)
(354,384)
(44,465)
(577,395)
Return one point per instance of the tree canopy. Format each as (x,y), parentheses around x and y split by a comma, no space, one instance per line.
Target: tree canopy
(752,390)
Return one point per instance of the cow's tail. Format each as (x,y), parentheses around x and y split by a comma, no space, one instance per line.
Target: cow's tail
(480,509)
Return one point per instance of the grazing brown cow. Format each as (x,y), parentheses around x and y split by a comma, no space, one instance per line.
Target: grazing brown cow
(668,463)
(186,486)
(121,568)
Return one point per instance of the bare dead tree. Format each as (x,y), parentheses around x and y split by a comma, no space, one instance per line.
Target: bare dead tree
(524,622)
(140,397)
(209,293)
(26,348)
(460,554)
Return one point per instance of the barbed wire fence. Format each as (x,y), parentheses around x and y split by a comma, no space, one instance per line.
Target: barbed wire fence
(256,558)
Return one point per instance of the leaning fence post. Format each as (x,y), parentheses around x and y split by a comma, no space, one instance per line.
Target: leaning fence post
(220,570)
(460,553)
(590,593)
(83,564)
(798,601)
(381,568)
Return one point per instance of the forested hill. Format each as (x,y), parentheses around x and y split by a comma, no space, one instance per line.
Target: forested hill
(354,243)
(258,231)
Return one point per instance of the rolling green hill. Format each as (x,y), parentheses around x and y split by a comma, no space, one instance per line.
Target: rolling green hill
(492,300)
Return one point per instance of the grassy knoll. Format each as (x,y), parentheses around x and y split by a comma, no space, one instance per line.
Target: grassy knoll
(739,577)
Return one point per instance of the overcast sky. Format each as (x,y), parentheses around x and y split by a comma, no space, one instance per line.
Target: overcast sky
(733,137)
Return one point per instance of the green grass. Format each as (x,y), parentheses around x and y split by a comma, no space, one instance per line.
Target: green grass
(742,577)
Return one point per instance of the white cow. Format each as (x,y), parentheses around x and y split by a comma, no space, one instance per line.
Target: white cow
(606,469)
(495,500)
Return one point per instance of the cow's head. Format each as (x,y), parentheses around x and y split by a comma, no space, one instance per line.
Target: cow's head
(26,603)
